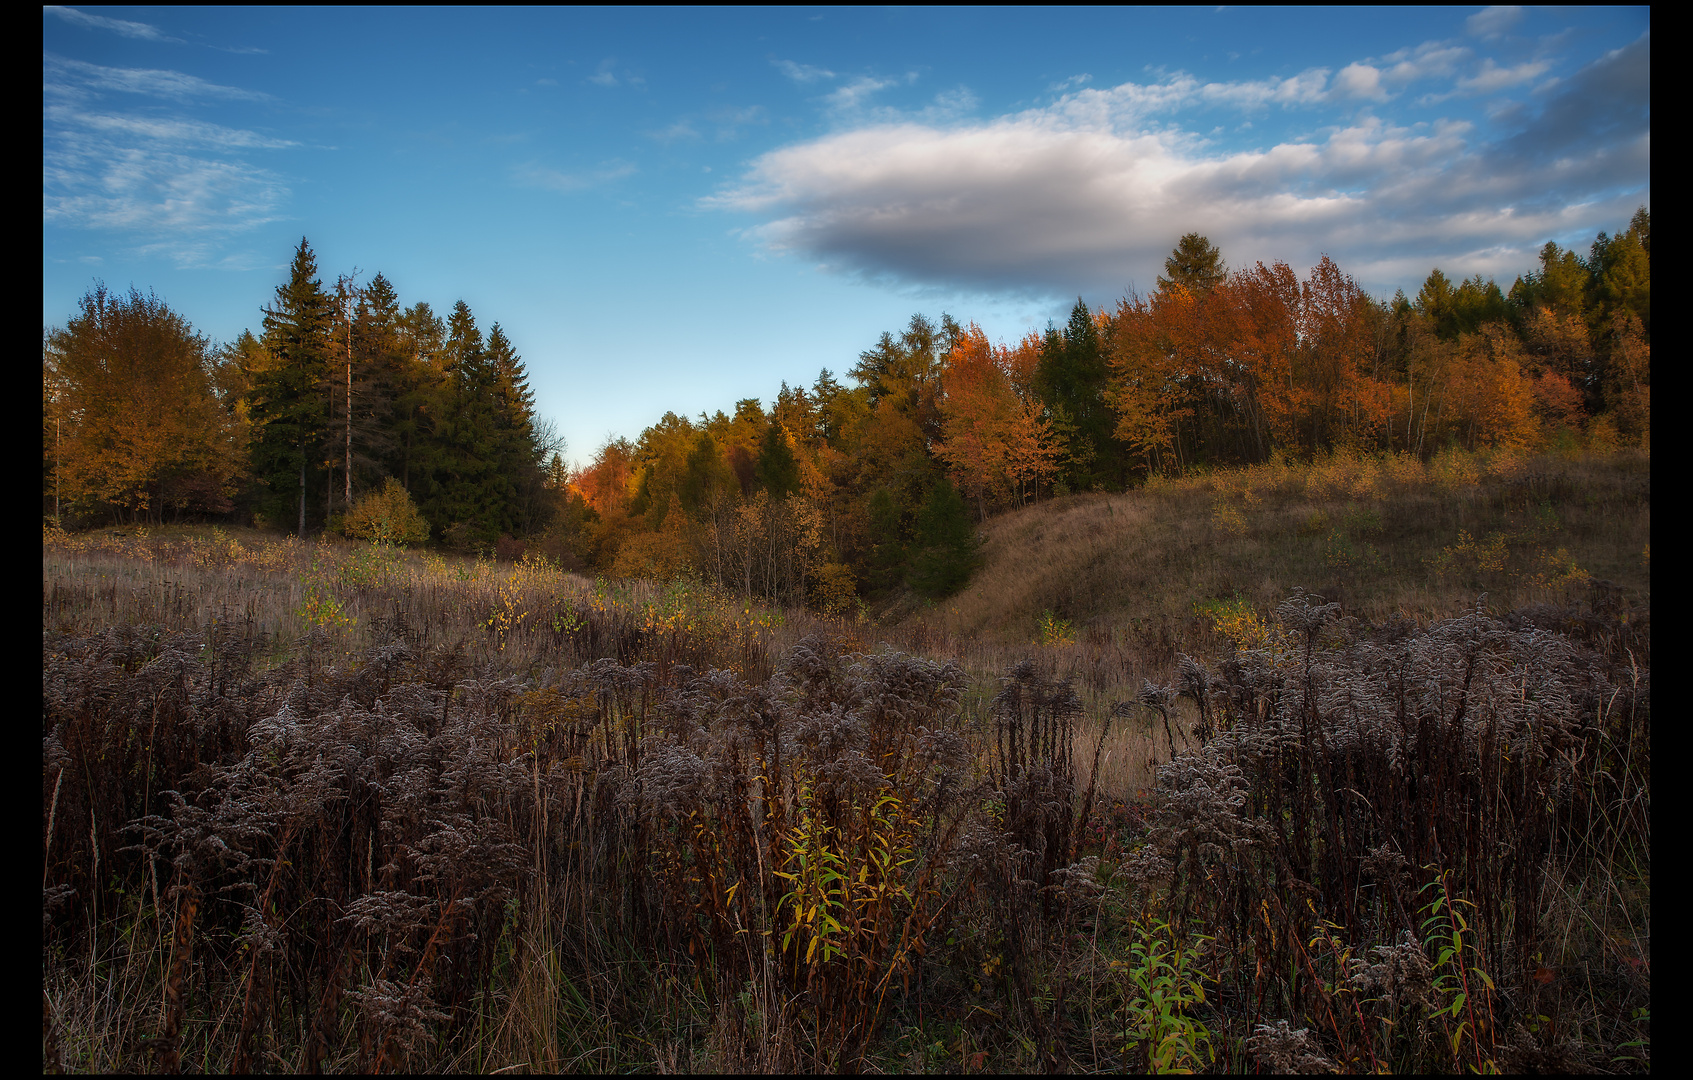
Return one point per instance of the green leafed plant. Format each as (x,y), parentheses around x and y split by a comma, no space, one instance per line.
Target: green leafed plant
(1163,986)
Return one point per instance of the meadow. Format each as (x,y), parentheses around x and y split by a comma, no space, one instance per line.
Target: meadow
(1340,766)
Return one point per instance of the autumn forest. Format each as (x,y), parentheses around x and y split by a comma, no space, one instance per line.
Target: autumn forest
(353,413)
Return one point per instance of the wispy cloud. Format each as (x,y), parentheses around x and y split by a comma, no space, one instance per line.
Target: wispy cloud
(606,75)
(1492,78)
(1494,21)
(169,130)
(1074,82)
(856,95)
(167,184)
(681,130)
(802,73)
(550,179)
(63,74)
(140,31)
(726,123)
(1089,193)
(95,183)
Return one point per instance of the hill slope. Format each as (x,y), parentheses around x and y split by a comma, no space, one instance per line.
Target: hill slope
(1382,536)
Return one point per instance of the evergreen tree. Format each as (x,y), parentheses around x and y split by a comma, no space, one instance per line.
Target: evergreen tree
(778,471)
(706,479)
(470,492)
(887,542)
(1195,264)
(418,390)
(379,371)
(905,372)
(287,407)
(946,543)
(518,448)
(1071,379)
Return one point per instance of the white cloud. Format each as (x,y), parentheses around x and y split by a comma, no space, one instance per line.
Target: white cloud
(1430,60)
(857,93)
(1089,194)
(91,182)
(681,129)
(1492,78)
(140,31)
(170,184)
(170,130)
(1360,81)
(1494,21)
(66,75)
(604,75)
(540,176)
(802,73)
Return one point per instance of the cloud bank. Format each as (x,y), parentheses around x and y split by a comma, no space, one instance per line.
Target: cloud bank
(1088,195)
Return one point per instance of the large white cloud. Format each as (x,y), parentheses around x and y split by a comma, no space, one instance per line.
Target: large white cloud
(1089,194)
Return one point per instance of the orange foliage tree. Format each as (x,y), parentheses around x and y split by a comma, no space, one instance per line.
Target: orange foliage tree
(996,439)
(140,430)
(1257,361)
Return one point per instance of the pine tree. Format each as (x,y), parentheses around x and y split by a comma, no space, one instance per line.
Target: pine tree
(1071,379)
(518,448)
(418,390)
(778,471)
(288,408)
(470,490)
(379,362)
(1196,264)
(946,542)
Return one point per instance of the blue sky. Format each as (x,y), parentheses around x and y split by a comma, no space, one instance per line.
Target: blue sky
(676,209)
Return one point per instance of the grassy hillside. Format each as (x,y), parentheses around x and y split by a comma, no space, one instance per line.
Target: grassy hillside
(1380,536)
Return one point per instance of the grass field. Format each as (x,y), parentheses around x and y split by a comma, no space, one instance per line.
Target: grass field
(1236,772)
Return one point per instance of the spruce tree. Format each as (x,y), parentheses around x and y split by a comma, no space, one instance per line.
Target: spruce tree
(518,448)
(946,542)
(470,490)
(778,471)
(887,542)
(1071,379)
(418,391)
(287,407)
(1195,264)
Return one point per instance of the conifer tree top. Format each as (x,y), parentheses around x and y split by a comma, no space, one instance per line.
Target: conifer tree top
(1195,263)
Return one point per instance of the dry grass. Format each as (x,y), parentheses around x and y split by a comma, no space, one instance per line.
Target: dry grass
(329,806)
(1383,536)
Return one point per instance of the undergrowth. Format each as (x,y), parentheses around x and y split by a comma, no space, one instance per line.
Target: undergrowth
(1375,848)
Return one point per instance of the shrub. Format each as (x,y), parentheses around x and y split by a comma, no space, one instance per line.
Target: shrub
(387,515)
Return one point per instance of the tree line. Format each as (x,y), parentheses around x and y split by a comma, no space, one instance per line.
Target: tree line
(840,489)
(145,420)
